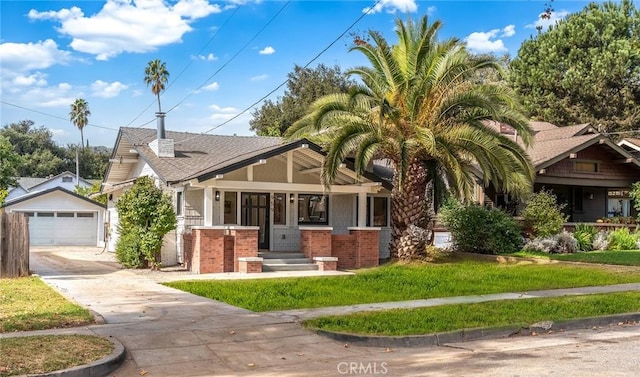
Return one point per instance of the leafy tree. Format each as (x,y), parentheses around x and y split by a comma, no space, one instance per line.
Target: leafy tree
(90,191)
(584,69)
(40,156)
(304,86)
(145,215)
(419,107)
(9,161)
(93,160)
(156,76)
(543,215)
(79,116)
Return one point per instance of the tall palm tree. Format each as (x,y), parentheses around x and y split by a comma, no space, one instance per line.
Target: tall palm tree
(79,116)
(156,76)
(419,107)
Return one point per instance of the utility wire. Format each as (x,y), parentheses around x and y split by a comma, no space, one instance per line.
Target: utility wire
(54,116)
(233,57)
(286,81)
(187,66)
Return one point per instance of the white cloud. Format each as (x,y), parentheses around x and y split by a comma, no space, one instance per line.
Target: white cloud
(393,6)
(128,26)
(485,42)
(225,110)
(210,57)
(36,79)
(259,77)
(57,131)
(267,51)
(508,31)
(545,23)
(51,96)
(23,57)
(107,90)
(431,10)
(213,86)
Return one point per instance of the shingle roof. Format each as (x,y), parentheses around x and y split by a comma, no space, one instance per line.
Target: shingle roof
(29,182)
(197,154)
(547,150)
(36,194)
(561,132)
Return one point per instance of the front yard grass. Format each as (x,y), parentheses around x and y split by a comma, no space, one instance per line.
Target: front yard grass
(399,322)
(623,257)
(398,282)
(48,353)
(29,304)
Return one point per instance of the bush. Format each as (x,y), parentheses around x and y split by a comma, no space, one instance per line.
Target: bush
(601,241)
(561,243)
(585,235)
(477,229)
(622,239)
(543,214)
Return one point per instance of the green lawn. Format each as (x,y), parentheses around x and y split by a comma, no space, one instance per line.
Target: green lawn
(482,315)
(401,282)
(624,257)
(29,304)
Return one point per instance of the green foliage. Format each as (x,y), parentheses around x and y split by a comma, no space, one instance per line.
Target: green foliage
(585,69)
(304,86)
(79,116)
(90,191)
(9,161)
(145,215)
(543,214)
(635,196)
(476,229)
(622,239)
(561,243)
(585,235)
(156,76)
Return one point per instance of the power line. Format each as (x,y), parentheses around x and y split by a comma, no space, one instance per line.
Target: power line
(55,116)
(286,81)
(188,64)
(233,57)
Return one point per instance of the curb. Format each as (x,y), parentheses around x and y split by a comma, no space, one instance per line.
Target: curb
(98,368)
(467,335)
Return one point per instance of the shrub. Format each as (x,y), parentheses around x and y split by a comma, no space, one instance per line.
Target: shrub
(480,230)
(622,239)
(585,235)
(145,216)
(561,243)
(543,214)
(601,241)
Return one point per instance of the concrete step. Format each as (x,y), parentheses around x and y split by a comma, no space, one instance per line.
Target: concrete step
(289,267)
(271,261)
(280,255)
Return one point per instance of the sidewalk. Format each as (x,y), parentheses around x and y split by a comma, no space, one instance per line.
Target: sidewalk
(172,333)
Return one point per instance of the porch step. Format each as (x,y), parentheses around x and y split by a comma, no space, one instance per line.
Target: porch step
(281,255)
(270,261)
(289,267)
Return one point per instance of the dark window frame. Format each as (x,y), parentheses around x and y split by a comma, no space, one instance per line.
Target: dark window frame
(326,209)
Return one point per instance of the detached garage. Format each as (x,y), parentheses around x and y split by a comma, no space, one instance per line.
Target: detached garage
(61,217)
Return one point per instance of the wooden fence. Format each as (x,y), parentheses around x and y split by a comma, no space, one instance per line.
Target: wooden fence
(14,245)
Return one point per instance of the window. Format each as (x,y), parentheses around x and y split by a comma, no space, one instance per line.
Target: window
(67,179)
(380,211)
(618,203)
(85,214)
(313,209)
(586,167)
(279,209)
(45,214)
(65,214)
(577,199)
(230,209)
(179,203)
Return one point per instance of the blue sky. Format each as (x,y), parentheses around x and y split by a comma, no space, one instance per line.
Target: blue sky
(52,52)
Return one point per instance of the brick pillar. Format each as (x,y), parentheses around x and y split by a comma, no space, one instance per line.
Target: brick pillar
(366,246)
(207,250)
(187,250)
(343,247)
(246,244)
(315,241)
(250,265)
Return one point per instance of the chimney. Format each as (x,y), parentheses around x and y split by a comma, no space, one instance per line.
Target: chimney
(162,147)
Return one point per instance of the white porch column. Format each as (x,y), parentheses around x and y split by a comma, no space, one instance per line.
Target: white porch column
(290,167)
(362,209)
(208,206)
(221,208)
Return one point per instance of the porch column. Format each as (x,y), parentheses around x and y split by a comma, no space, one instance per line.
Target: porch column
(362,209)
(208,206)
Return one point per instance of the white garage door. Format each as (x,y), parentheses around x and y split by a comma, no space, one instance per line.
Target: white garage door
(63,228)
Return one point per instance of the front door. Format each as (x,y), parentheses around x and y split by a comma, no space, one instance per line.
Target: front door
(255,212)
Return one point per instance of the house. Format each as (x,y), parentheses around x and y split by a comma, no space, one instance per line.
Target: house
(57,215)
(586,171)
(230,189)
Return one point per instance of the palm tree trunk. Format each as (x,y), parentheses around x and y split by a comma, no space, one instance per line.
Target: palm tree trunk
(81,139)
(159,109)
(408,213)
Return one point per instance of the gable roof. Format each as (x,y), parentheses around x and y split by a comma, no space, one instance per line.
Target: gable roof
(36,194)
(29,182)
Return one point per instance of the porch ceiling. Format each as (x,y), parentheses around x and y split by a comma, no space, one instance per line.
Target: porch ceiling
(121,162)
(305,159)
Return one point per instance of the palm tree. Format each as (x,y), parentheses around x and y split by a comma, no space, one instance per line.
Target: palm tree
(419,107)
(156,76)
(79,116)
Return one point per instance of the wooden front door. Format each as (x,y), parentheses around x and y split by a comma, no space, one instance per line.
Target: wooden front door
(255,212)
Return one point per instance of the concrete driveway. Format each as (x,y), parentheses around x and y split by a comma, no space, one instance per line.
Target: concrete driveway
(172,333)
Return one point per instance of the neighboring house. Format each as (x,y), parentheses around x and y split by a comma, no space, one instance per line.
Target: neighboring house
(585,169)
(233,184)
(57,215)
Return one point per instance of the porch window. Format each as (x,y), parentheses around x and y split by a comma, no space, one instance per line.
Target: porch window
(279,209)
(230,207)
(380,209)
(586,166)
(313,209)
(618,203)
